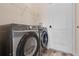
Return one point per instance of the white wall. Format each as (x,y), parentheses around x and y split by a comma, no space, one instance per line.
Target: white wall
(60,17)
(18,13)
(77,29)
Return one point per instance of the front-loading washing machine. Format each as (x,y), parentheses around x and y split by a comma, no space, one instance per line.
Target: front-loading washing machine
(44,37)
(43,32)
(19,40)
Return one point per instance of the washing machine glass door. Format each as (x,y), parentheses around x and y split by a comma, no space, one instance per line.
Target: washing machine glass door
(44,39)
(30,46)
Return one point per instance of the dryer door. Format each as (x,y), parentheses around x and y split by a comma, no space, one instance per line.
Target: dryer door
(28,45)
(44,40)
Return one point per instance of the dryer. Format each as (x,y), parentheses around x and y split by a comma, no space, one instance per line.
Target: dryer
(19,40)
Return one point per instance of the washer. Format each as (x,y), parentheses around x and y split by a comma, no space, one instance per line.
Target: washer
(43,38)
(19,40)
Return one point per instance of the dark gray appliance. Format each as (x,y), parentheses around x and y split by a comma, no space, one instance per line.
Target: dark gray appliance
(22,40)
(19,40)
